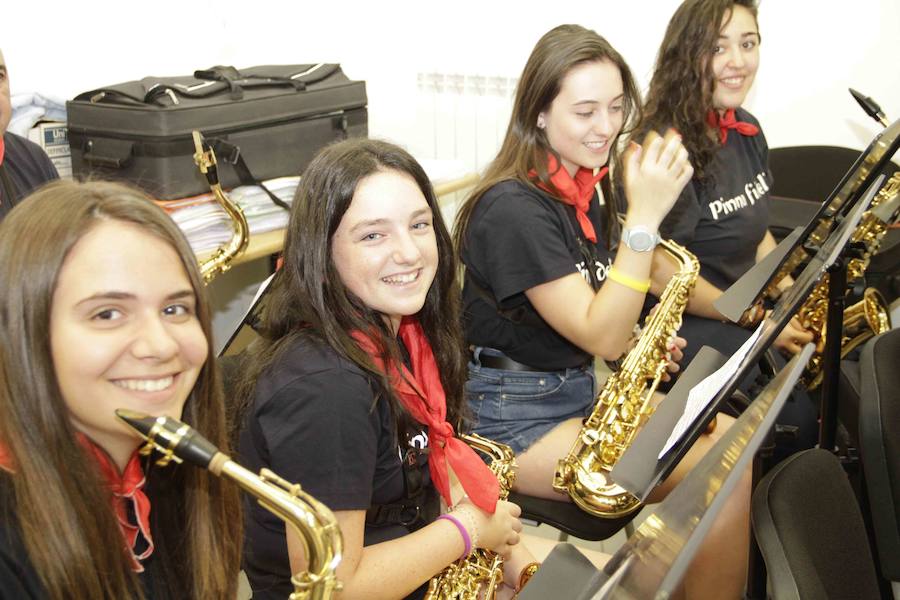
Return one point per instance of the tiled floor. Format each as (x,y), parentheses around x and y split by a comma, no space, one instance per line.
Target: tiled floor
(608,546)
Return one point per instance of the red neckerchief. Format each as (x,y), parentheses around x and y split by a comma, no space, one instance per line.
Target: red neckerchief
(729,121)
(423,396)
(2,149)
(125,488)
(576,191)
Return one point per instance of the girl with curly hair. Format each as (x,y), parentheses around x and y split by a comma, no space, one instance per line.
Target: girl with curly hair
(704,71)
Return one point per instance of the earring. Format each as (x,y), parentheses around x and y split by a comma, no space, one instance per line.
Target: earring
(541,124)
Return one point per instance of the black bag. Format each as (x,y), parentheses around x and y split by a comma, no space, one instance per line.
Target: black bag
(263,122)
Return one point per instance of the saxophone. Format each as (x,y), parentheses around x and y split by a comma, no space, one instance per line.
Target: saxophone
(220,261)
(624,404)
(312,521)
(869,316)
(479,575)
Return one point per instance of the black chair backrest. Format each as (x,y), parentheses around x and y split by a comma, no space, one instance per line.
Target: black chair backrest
(811,172)
(811,533)
(879,433)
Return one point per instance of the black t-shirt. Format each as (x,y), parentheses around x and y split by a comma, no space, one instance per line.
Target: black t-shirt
(26,166)
(314,421)
(18,578)
(519,237)
(723,220)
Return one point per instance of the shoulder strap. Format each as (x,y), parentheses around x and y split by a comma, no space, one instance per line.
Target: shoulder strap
(232,153)
(585,248)
(420,504)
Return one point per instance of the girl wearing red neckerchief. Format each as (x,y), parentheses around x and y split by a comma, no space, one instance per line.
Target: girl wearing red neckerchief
(103,308)
(706,66)
(552,280)
(355,390)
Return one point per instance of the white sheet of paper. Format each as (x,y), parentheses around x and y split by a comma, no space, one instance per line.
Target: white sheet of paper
(702,394)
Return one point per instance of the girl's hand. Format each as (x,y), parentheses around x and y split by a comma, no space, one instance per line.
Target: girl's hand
(793,337)
(497,532)
(655,174)
(676,344)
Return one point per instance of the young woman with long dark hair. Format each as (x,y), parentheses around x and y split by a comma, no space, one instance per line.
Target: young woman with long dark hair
(103,308)
(552,280)
(356,387)
(704,71)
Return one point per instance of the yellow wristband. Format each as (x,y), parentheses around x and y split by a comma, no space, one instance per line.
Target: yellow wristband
(629,282)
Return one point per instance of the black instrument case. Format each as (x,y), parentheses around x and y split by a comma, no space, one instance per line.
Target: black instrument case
(263,122)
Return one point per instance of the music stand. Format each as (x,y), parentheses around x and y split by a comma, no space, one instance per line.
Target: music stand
(654,559)
(749,289)
(631,471)
(243,332)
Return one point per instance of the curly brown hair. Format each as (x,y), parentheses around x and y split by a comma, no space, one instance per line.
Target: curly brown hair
(681,90)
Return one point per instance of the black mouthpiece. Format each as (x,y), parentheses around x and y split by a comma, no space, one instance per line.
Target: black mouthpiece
(869,106)
(172,438)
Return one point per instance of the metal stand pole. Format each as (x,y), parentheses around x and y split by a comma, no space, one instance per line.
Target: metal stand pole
(831,356)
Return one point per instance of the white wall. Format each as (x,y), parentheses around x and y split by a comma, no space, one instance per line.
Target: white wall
(812,50)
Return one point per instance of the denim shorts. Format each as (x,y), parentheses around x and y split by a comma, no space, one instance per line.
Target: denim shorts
(518,408)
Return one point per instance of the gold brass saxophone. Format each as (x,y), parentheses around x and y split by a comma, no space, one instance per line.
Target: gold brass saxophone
(220,261)
(848,188)
(479,575)
(314,524)
(869,316)
(624,404)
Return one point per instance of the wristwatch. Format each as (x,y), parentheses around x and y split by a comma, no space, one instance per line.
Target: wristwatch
(640,238)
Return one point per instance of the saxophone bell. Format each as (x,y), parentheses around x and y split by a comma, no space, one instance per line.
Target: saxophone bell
(868,317)
(862,321)
(624,404)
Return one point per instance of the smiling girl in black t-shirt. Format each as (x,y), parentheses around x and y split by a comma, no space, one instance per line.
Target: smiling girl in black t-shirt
(356,386)
(551,281)
(723,214)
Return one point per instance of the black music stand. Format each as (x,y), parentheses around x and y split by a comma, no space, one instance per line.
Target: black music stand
(243,333)
(800,246)
(651,457)
(654,559)
(632,471)
(858,179)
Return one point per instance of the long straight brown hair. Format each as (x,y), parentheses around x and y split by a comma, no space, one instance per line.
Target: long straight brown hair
(681,89)
(525,146)
(62,507)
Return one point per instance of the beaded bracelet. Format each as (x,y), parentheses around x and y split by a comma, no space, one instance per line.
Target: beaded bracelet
(467,541)
(628,281)
(470,522)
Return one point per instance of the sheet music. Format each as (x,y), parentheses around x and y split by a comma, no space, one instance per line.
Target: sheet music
(702,394)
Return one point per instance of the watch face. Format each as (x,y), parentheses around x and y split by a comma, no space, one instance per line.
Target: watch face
(640,241)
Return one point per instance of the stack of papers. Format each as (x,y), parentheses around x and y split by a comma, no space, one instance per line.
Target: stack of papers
(262,214)
(206,224)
